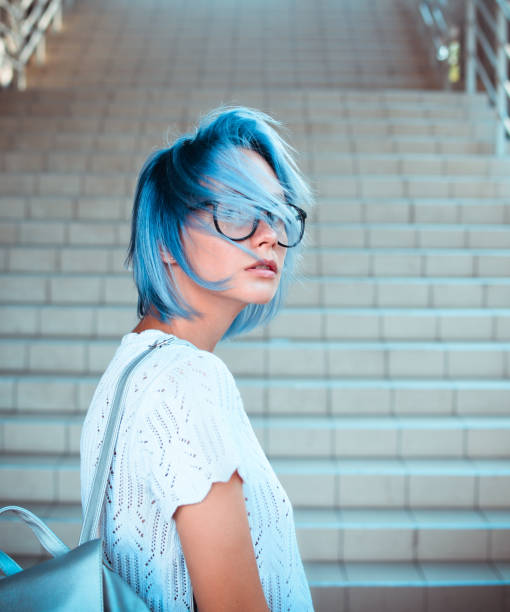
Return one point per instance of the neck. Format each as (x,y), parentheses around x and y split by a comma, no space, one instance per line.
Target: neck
(203,332)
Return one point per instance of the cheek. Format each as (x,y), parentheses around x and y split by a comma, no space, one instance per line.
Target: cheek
(212,257)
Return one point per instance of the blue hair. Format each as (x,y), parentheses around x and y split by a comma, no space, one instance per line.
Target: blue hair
(202,166)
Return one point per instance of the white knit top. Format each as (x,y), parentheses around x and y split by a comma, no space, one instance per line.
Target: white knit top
(183,428)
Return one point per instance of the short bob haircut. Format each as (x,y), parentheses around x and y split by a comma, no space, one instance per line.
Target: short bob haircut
(209,165)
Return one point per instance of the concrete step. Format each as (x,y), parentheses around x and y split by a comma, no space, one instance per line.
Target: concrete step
(363,359)
(335,536)
(467,484)
(288,97)
(399,575)
(314,128)
(304,109)
(377,211)
(398,235)
(407,292)
(373,186)
(274,74)
(67,112)
(365,143)
(128,55)
(390,163)
(335,128)
(304,323)
(398,586)
(70,395)
(403,586)
(389,535)
(101,232)
(406,262)
(66,207)
(283,358)
(460,437)
(379,98)
(448,211)
(325,291)
(112,142)
(395,483)
(384,324)
(389,437)
(358,107)
(83,100)
(319,261)
(121,184)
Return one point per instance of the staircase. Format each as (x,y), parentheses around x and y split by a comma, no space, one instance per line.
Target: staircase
(380,394)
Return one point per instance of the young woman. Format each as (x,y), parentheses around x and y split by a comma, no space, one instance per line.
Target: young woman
(192,500)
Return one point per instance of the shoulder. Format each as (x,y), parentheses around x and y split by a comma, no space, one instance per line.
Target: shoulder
(209,381)
(196,366)
(188,375)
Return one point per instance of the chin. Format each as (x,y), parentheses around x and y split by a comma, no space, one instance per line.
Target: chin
(257,294)
(262,299)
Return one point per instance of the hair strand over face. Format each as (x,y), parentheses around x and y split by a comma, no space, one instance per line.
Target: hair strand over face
(209,164)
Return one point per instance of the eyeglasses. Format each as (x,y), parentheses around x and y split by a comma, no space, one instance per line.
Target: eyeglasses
(238,226)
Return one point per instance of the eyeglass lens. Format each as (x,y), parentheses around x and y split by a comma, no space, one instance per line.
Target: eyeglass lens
(239,227)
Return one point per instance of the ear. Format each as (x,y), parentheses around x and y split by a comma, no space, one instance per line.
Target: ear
(166,257)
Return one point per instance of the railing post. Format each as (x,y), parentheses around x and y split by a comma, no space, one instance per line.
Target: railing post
(21,79)
(502,77)
(40,52)
(57,20)
(470,47)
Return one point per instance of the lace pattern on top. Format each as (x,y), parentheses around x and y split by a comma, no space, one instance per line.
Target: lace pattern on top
(183,428)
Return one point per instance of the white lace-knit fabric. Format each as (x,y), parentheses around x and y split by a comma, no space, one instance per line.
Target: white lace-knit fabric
(183,428)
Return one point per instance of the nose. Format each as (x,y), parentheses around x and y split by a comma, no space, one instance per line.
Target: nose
(265,233)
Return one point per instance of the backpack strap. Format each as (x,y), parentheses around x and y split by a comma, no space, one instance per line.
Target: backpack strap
(42,532)
(93,509)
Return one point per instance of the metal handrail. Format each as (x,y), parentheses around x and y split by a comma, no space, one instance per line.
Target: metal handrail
(487,50)
(22,32)
(435,20)
(497,84)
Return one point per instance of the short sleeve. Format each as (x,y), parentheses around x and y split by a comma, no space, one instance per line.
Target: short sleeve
(185,437)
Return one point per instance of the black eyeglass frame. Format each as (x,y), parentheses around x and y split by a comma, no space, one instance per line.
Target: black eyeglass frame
(302,215)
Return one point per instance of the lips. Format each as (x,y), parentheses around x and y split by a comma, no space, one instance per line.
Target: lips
(265,262)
